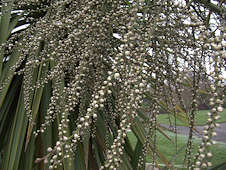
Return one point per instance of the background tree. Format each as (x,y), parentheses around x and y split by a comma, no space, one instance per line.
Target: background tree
(72,83)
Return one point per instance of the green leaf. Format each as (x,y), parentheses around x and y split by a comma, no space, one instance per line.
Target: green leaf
(27,157)
(140,133)
(137,153)
(163,133)
(67,163)
(36,102)
(4,28)
(86,147)
(98,159)
(126,165)
(47,138)
(221,166)
(128,147)
(9,100)
(7,112)
(13,24)
(17,134)
(9,74)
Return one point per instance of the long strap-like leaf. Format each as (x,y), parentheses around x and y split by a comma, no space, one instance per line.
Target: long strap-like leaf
(4,27)
(17,133)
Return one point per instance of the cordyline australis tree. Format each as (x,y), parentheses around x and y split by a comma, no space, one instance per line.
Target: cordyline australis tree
(71,89)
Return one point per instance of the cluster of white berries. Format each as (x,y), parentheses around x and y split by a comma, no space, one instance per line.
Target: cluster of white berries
(90,74)
(215,102)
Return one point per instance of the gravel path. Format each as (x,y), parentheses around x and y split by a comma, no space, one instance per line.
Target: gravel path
(221,131)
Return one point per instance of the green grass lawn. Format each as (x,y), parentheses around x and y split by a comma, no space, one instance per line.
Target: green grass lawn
(167,148)
(200,118)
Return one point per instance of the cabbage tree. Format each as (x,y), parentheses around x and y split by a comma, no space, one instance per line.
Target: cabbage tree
(74,79)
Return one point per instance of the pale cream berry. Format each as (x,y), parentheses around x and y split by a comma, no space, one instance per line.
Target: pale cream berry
(217,117)
(220,109)
(127,53)
(49,149)
(117,75)
(76,136)
(141,85)
(214,134)
(94,115)
(198,163)
(209,164)
(209,154)
(204,165)
(202,156)
(137,91)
